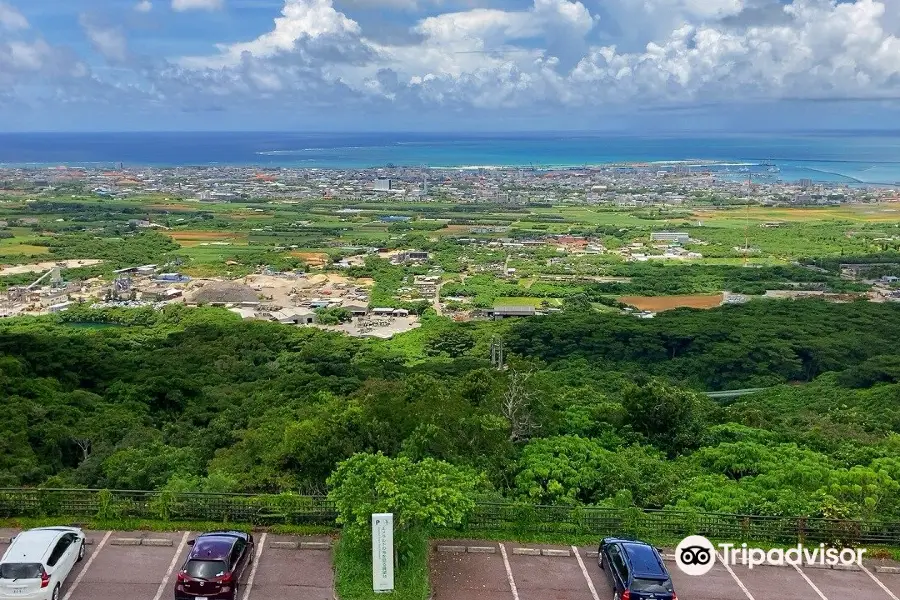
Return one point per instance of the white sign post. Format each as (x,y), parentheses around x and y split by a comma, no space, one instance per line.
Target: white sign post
(383,552)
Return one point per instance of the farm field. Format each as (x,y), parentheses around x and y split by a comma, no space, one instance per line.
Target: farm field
(196,237)
(526,301)
(661,303)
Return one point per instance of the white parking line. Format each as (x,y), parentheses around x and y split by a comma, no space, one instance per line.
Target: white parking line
(584,572)
(87,565)
(259,549)
(509,577)
(162,586)
(809,581)
(878,581)
(736,579)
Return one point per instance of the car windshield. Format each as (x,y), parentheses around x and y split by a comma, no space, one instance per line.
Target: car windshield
(205,569)
(20,571)
(651,585)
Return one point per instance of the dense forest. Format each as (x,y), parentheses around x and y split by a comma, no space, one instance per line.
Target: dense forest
(590,407)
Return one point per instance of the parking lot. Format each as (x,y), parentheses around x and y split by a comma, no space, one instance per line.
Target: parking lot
(143,566)
(473,570)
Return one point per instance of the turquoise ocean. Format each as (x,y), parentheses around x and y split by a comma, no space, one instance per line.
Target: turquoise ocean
(853,157)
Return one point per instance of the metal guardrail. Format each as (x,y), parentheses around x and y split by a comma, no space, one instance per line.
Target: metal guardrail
(735,393)
(517,518)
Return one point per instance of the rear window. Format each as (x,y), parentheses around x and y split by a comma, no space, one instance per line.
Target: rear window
(205,569)
(653,586)
(21,571)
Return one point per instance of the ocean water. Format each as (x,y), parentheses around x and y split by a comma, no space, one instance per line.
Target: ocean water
(846,157)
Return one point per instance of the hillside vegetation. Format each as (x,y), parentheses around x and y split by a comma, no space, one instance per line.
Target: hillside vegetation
(591,409)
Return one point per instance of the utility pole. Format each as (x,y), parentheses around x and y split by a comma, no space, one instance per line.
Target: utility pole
(497,353)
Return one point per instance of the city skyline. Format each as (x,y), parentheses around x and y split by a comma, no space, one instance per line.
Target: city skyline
(451,65)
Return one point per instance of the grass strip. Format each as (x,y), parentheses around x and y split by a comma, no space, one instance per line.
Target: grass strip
(353,573)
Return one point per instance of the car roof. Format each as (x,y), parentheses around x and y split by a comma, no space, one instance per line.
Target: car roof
(213,546)
(644,560)
(32,546)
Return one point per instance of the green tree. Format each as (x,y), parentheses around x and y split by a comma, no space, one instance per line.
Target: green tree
(452,342)
(671,418)
(334,315)
(421,495)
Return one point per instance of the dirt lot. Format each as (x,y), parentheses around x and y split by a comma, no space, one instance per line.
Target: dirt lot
(661,303)
(46,266)
(313,259)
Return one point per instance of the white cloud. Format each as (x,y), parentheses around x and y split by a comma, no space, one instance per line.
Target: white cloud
(300,20)
(542,57)
(108,41)
(185,5)
(10,18)
(144,6)
(401,4)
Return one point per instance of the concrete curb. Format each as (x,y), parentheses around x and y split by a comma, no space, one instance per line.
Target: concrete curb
(156,542)
(125,542)
(816,566)
(315,545)
(284,545)
(5,540)
(553,552)
(890,570)
(846,568)
(482,549)
(527,551)
(592,554)
(452,549)
(668,557)
(88,541)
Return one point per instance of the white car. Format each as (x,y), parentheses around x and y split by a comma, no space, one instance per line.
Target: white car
(38,561)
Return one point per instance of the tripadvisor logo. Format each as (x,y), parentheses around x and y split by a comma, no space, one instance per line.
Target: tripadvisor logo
(696,555)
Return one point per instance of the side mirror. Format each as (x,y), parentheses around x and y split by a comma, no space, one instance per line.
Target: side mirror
(191,542)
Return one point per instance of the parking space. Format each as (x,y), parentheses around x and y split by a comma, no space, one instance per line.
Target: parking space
(890,580)
(470,570)
(468,576)
(144,566)
(291,567)
(126,568)
(718,584)
(845,585)
(773,582)
(555,577)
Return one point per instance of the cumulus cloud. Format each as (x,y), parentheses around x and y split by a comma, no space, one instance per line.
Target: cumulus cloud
(314,23)
(185,5)
(144,6)
(10,18)
(549,55)
(108,41)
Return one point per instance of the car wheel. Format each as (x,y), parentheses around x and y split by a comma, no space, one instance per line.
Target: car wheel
(235,591)
(55,595)
(616,597)
(81,552)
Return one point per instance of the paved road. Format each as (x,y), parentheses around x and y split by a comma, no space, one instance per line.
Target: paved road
(282,569)
(512,571)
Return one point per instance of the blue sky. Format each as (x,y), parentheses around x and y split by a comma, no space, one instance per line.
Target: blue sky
(448,65)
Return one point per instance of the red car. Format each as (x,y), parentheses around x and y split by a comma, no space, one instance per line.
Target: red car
(214,566)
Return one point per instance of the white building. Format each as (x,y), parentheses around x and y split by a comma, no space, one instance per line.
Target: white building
(670,236)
